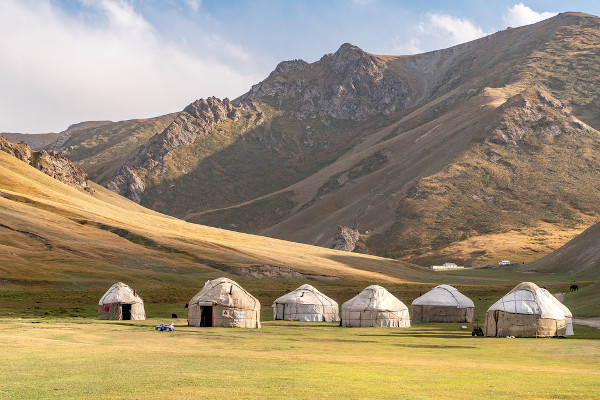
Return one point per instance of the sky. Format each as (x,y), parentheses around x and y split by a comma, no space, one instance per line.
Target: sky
(68,61)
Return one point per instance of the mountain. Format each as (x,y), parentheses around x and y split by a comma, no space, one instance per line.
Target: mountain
(37,141)
(579,256)
(58,237)
(482,151)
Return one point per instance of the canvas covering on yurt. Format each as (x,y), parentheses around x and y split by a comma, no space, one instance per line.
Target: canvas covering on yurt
(566,311)
(121,302)
(375,307)
(443,303)
(222,302)
(526,311)
(306,304)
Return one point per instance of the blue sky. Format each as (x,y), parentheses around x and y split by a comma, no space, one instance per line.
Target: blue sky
(67,61)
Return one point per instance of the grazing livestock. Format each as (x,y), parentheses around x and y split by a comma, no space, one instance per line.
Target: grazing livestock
(174,316)
(574,287)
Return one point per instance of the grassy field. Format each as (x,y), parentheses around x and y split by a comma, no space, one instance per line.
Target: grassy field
(114,360)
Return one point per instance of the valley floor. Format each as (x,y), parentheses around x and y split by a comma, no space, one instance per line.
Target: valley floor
(85,358)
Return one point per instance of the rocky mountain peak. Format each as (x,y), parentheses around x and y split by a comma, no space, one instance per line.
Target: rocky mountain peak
(291,67)
(348,84)
(211,110)
(350,57)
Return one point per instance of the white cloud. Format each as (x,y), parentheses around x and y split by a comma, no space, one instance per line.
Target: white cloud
(105,63)
(193,4)
(438,31)
(520,14)
(454,30)
(401,45)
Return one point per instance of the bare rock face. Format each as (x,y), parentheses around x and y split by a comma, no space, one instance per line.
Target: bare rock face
(352,85)
(53,164)
(345,239)
(348,84)
(128,184)
(196,120)
(534,112)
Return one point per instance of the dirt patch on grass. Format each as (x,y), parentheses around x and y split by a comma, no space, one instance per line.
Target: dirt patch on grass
(593,322)
(335,340)
(434,346)
(270,333)
(559,296)
(271,271)
(205,336)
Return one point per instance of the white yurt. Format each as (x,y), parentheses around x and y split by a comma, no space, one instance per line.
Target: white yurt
(306,304)
(376,307)
(526,311)
(443,303)
(222,302)
(566,311)
(121,302)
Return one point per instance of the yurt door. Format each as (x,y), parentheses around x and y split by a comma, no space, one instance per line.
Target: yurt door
(126,310)
(206,316)
(280,310)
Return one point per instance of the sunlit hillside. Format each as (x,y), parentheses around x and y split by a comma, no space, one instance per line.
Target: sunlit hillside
(54,235)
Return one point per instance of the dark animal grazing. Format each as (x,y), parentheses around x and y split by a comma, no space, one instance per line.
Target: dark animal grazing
(574,287)
(186,305)
(174,316)
(477,331)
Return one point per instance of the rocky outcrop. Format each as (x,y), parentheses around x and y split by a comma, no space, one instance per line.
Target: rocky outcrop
(196,120)
(348,84)
(53,164)
(127,184)
(345,239)
(533,112)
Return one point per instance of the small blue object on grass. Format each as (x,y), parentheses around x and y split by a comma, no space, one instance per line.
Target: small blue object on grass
(163,327)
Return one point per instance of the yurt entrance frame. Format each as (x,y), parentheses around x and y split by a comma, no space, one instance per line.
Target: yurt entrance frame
(126,312)
(206,316)
(281,311)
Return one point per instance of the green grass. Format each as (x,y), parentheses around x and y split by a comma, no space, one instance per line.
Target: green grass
(585,301)
(112,360)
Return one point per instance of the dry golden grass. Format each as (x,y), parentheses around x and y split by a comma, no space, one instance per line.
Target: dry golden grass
(82,231)
(526,245)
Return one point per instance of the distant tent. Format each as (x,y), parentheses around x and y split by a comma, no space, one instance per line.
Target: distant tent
(377,307)
(526,311)
(121,302)
(222,302)
(443,303)
(306,304)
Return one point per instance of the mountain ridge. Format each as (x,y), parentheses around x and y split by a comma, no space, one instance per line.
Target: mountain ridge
(348,140)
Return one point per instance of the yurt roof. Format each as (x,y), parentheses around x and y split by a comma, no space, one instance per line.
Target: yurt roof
(528,298)
(306,294)
(120,293)
(225,292)
(444,295)
(560,305)
(374,297)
